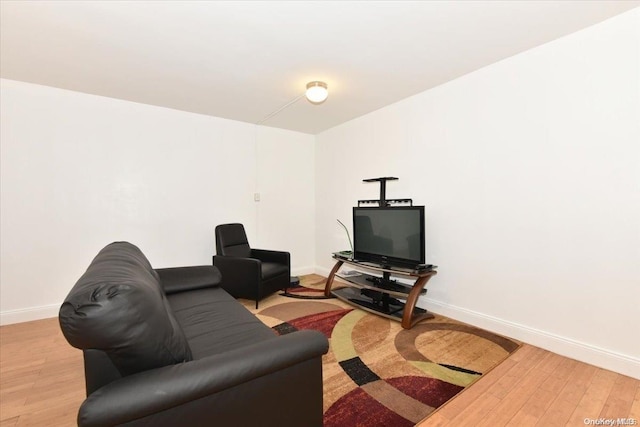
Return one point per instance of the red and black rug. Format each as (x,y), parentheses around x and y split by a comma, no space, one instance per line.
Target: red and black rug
(378,374)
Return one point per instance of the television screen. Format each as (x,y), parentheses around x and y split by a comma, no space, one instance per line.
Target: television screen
(390,236)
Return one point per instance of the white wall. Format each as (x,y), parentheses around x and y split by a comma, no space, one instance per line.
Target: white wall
(530,172)
(80,171)
(286,211)
(529,168)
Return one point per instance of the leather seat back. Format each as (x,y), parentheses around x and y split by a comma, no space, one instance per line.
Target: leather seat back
(231,240)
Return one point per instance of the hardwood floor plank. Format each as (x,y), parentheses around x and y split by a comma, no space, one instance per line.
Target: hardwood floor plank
(11,410)
(595,397)
(556,370)
(618,404)
(514,376)
(558,380)
(557,414)
(551,362)
(470,394)
(50,417)
(513,401)
(635,406)
(11,422)
(563,407)
(533,409)
(478,411)
(435,420)
(581,377)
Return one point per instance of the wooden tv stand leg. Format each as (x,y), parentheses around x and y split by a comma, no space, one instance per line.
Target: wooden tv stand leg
(334,270)
(408,318)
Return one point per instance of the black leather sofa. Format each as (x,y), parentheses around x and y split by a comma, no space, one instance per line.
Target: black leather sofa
(170,347)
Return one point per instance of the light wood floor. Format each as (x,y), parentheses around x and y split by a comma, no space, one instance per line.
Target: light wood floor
(534,387)
(42,384)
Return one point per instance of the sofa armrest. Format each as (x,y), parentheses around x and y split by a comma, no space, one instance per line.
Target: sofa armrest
(150,392)
(180,279)
(271,256)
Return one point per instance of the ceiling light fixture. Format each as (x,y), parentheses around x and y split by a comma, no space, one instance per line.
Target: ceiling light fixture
(316,92)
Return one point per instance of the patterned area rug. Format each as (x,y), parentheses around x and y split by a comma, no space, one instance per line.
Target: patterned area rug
(378,374)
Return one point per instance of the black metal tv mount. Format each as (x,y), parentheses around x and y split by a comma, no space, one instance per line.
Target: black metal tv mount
(383,201)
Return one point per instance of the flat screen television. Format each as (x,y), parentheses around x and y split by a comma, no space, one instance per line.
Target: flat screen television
(389,236)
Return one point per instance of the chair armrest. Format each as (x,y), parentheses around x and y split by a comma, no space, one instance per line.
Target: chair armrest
(167,388)
(238,273)
(271,256)
(180,279)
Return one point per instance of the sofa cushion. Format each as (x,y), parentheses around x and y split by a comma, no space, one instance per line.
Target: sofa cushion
(214,322)
(183,279)
(118,306)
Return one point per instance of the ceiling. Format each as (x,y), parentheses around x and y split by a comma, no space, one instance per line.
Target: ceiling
(243,60)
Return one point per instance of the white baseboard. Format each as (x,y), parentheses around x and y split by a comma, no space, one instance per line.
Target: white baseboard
(28,314)
(587,353)
(301,271)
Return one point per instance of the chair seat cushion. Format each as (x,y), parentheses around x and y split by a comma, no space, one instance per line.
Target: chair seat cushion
(272,269)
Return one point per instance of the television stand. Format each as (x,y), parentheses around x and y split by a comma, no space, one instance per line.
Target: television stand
(379,295)
(385,282)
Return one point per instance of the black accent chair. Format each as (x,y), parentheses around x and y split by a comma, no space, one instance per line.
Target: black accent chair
(246,272)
